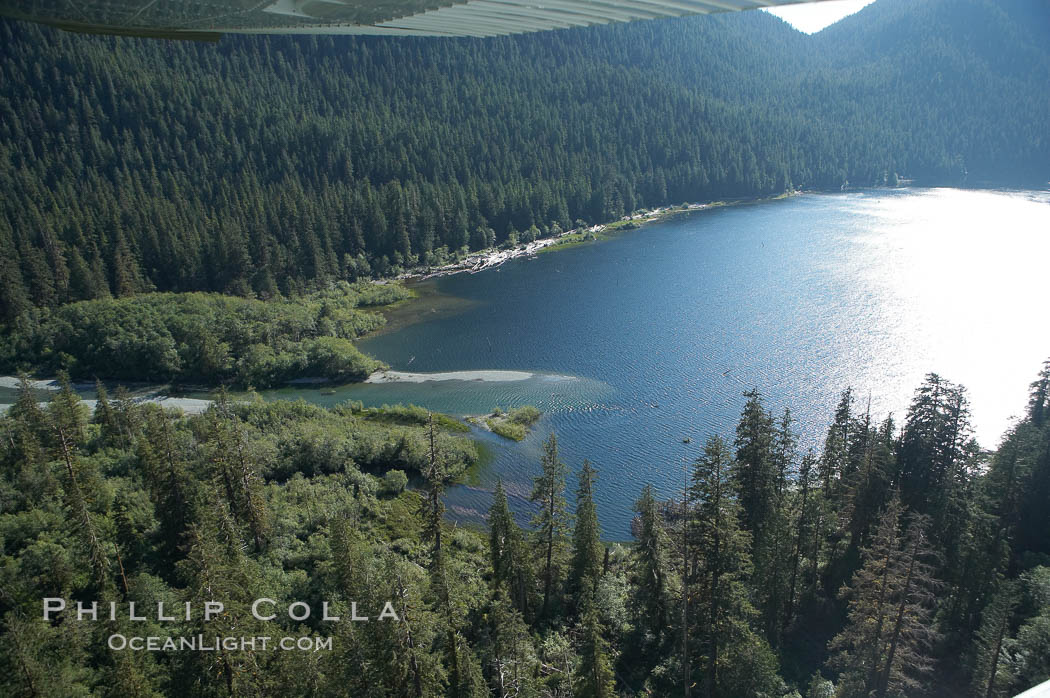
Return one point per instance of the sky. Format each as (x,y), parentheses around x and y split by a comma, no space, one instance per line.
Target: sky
(812,17)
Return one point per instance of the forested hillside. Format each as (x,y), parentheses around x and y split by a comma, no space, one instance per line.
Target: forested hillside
(899,561)
(264,165)
(202,337)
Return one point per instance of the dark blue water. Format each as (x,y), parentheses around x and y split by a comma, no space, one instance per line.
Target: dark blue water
(645,340)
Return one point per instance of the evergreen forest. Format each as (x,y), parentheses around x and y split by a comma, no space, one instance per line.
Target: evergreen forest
(261,166)
(898,560)
(219,214)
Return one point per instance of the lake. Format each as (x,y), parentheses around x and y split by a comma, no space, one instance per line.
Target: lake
(642,341)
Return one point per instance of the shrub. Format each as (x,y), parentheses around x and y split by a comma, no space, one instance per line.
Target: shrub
(525,416)
(394,482)
(508,430)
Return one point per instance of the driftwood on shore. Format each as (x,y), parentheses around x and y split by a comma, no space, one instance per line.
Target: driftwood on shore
(490,259)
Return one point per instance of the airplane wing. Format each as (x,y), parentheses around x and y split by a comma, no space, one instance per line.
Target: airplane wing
(210,19)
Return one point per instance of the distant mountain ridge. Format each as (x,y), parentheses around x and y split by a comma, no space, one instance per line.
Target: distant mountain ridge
(275,164)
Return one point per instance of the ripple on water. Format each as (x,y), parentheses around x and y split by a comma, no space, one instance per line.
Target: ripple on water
(664,328)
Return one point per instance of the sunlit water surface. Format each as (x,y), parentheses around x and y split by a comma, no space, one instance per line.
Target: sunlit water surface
(639,343)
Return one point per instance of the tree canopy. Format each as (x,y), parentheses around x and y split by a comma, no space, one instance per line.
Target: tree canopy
(268,164)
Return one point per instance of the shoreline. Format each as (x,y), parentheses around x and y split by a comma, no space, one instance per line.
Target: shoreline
(140,394)
(484,376)
(184,404)
(473,263)
(492,258)
(13,382)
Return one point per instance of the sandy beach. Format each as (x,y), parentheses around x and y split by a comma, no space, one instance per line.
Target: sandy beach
(488,376)
(187,405)
(14,383)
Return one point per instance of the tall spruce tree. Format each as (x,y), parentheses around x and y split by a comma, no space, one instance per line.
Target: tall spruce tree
(885,648)
(650,583)
(935,445)
(1032,532)
(836,444)
(510,659)
(551,522)
(511,564)
(807,504)
(235,469)
(754,469)
(720,607)
(501,535)
(67,419)
(585,569)
(432,506)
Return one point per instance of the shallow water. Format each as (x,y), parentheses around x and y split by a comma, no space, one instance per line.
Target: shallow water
(665,327)
(640,342)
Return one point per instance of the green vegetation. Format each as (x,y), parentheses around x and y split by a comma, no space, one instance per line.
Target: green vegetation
(242,502)
(514,424)
(897,561)
(131,165)
(406,415)
(584,236)
(395,482)
(507,430)
(141,177)
(623,225)
(573,240)
(201,337)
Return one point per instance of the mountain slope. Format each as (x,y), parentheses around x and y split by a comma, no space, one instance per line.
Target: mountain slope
(967,78)
(275,164)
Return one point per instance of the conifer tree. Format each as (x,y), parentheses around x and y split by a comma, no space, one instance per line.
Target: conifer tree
(764,455)
(235,470)
(551,522)
(1033,515)
(362,655)
(126,413)
(26,410)
(509,556)
(411,657)
(1027,655)
(26,440)
(721,610)
(167,480)
(989,680)
(650,571)
(868,487)
(104,415)
(510,656)
(215,569)
(885,647)
(66,416)
(754,469)
(772,560)
(40,660)
(937,469)
(804,523)
(436,478)
(1039,397)
(587,550)
(501,533)
(595,677)
(936,442)
(14,299)
(836,444)
(82,285)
